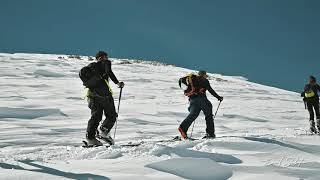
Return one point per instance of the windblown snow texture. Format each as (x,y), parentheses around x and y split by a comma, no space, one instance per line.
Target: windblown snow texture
(261,131)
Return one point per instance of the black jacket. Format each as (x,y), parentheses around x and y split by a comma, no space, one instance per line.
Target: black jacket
(105,71)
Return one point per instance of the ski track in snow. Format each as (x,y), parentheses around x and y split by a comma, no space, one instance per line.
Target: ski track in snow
(262,131)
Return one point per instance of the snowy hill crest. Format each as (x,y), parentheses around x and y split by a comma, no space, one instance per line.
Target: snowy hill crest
(261,130)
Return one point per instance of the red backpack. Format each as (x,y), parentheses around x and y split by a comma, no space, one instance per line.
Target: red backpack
(194,85)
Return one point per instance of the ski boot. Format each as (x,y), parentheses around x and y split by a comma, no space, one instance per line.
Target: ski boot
(209,136)
(313,130)
(93,142)
(183,133)
(104,134)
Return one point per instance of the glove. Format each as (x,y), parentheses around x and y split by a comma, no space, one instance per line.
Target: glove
(220,98)
(120,84)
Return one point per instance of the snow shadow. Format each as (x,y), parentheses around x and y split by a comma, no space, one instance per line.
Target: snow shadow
(75,98)
(234,116)
(144,122)
(172,114)
(139,80)
(47,73)
(193,168)
(312,149)
(52,171)
(14,98)
(182,152)
(23,113)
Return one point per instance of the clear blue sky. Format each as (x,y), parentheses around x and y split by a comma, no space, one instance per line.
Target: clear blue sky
(274,42)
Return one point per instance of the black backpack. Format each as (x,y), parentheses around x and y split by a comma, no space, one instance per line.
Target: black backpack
(90,76)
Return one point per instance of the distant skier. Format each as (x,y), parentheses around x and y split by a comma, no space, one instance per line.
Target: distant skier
(197,85)
(96,76)
(311,98)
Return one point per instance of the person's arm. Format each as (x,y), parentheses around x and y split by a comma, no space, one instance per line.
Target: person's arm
(212,92)
(303,92)
(110,73)
(318,87)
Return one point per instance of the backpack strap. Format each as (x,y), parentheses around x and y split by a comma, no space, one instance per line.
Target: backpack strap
(193,89)
(109,87)
(189,82)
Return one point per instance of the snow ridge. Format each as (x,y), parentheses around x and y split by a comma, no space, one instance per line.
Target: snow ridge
(261,130)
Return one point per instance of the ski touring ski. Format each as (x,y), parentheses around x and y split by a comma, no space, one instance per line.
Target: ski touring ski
(135,144)
(174,139)
(130,144)
(86,145)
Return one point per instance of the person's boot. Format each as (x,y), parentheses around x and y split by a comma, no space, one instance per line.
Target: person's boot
(313,130)
(104,134)
(312,127)
(93,141)
(183,133)
(209,136)
(318,125)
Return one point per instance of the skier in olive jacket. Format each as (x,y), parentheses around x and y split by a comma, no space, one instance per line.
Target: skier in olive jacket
(100,100)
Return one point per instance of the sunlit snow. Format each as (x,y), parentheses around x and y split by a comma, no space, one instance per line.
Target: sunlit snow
(262,132)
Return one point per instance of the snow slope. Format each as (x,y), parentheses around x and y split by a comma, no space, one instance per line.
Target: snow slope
(261,130)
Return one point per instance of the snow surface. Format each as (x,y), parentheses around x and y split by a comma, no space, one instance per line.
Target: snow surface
(262,131)
(209,169)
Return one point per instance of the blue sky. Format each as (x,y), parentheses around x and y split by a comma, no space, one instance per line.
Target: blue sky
(273,42)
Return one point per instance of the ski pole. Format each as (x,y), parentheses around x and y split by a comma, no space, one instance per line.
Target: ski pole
(213,118)
(115,127)
(217,110)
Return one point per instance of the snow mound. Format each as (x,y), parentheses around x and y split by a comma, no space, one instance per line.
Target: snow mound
(106,155)
(182,152)
(262,132)
(23,113)
(193,168)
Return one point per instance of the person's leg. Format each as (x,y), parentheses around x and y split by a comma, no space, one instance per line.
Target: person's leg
(96,117)
(207,110)
(310,109)
(194,111)
(317,111)
(110,113)
(311,120)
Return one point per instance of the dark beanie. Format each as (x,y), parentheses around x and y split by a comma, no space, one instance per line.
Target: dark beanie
(313,78)
(100,54)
